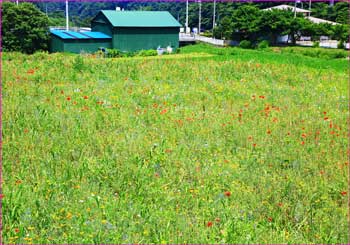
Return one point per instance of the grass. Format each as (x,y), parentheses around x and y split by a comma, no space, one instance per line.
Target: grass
(211,145)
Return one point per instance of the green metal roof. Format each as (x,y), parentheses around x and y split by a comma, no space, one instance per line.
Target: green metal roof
(140,18)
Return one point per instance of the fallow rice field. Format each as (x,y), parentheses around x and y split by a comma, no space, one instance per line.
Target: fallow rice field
(211,145)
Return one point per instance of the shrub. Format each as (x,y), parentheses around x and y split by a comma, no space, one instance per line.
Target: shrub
(129,54)
(341,45)
(78,63)
(113,53)
(145,53)
(263,44)
(245,44)
(316,44)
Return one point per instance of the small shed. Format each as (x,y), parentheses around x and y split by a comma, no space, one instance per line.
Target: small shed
(76,42)
(137,30)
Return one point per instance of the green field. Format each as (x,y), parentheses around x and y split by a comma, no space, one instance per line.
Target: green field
(212,145)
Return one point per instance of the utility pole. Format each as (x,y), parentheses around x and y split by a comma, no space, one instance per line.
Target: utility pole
(295,8)
(214,16)
(17,2)
(310,8)
(67,18)
(186,16)
(199,17)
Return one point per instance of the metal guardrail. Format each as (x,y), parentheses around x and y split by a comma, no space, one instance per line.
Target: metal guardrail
(193,37)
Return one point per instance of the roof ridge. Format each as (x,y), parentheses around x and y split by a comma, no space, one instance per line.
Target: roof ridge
(140,18)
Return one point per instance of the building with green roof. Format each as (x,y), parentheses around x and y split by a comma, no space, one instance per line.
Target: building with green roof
(137,30)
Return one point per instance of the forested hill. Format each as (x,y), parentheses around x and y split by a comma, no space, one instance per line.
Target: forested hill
(82,12)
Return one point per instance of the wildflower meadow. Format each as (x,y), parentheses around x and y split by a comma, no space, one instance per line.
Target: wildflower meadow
(211,145)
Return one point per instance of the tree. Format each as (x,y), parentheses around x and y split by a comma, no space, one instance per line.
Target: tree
(224,29)
(274,23)
(246,22)
(24,28)
(340,33)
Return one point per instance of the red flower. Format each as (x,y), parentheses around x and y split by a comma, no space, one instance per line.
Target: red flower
(343,193)
(268,131)
(326,118)
(86,97)
(26,130)
(62,92)
(209,224)
(30,71)
(163,111)
(254,145)
(280,204)
(2,196)
(217,220)
(321,172)
(100,102)
(269,219)
(262,97)
(324,113)
(227,193)
(16,230)
(68,98)
(303,143)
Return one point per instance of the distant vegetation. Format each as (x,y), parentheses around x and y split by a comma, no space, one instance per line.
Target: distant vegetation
(248,22)
(83,12)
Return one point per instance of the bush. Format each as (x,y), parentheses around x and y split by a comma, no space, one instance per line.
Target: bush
(129,54)
(113,53)
(316,44)
(341,45)
(207,34)
(263,44)
(78,63)
(145,53)
(245,44)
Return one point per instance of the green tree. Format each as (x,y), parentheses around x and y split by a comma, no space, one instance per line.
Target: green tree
(340,32)
(224,29)
(274,23)
(24,28)
(246,22)
(322,29)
